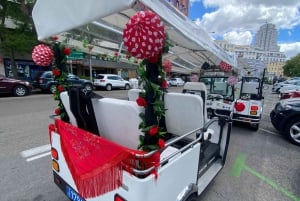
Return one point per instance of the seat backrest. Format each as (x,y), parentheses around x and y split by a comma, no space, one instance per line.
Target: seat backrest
(184,112)
(250,87)
(133,94)
(66,102)
(200,89)
(118,120)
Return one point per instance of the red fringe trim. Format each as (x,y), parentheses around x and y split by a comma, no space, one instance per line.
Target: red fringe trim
(93,175)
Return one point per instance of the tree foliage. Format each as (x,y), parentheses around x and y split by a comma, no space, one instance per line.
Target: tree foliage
(20,37)
(292,67)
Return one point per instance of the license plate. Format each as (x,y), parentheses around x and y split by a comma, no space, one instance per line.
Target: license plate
(253,112)
(73,195)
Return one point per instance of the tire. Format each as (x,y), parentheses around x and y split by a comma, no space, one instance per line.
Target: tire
(52,88)
(108,87)
(88,87)
(254,127)
(20,90)
(292,131)
(127,87)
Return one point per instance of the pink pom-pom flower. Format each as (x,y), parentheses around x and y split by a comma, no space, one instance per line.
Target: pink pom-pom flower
(42,55)
(144,35)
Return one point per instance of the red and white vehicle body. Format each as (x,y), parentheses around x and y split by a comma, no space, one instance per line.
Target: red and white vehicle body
(248,106)
(197,150)
(197,147)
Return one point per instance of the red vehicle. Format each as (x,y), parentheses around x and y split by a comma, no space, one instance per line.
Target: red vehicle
(14,86)
(290,94)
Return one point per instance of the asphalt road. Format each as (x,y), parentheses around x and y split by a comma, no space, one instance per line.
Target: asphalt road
(269,172)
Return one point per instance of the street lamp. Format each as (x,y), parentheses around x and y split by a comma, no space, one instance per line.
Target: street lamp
(90,47)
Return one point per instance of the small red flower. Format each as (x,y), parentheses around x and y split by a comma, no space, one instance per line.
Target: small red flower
(153,59)
(67,51)
(141,102)
(161,143)
(164,84)
(153,130)
(57,111)
(55,37)
(116,54)
(60,88)
(167,66)
(56,72)
(51,127)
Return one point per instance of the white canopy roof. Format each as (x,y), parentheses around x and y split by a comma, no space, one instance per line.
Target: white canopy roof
(192,45)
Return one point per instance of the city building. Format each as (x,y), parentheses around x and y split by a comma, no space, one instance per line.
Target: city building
(266,38)
(264,48)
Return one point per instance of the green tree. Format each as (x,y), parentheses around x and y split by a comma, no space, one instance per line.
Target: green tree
(292,67)
(21,36)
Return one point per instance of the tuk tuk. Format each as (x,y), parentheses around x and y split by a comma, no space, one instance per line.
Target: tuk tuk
(99,153)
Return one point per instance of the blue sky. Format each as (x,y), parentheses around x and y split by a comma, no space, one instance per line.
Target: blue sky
(237,21)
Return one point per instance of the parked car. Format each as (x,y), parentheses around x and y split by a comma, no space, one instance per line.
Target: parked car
(176,82)
(14,86)
(110,81)
(277,86)
(46,83)
(292,86)
(285,117)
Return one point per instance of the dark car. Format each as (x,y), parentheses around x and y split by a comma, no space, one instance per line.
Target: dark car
(14,86)
(46,83)
(285,117)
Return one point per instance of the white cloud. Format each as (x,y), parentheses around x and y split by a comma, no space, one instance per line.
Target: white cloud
(238,21)
(238,38)
(290,49)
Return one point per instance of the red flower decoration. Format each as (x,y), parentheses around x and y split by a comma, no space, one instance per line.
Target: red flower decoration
(57,111)
(55,37)
(141,102)
(42,55)
(56,72)
(167,66)
(161,143)
(116,54)
(60,88)
(144,35)
(232,80)
(67,51)
(225,66)
(153,130)
(164,84)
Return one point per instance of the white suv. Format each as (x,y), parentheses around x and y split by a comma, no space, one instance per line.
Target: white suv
(176,82)
(110,81)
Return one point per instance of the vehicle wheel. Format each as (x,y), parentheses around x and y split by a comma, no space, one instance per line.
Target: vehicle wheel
(20,90)
(254,127)
(127,87)
(292,131)
(52,88)
(192,198)
(108,87)
(88,87)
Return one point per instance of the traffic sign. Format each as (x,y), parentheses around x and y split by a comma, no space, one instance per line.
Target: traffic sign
(75,55)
